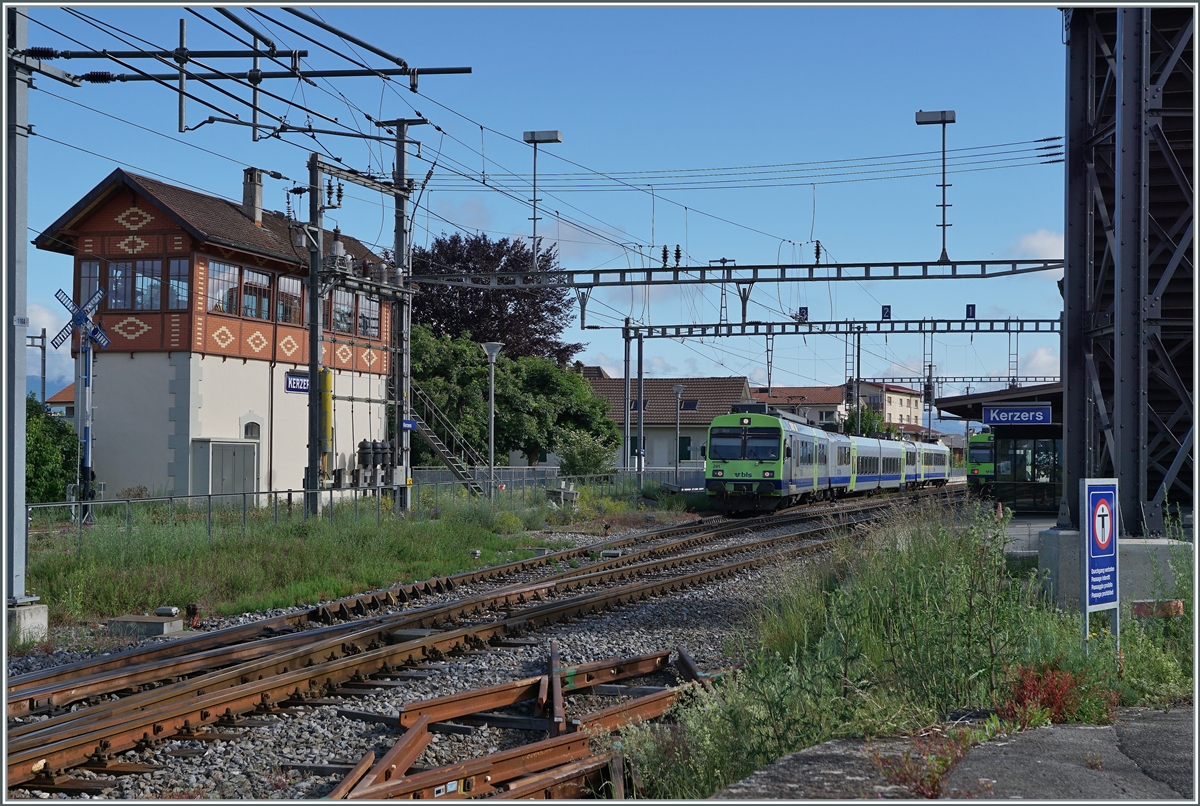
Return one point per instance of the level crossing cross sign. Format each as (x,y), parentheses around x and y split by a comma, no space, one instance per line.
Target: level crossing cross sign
(81,318)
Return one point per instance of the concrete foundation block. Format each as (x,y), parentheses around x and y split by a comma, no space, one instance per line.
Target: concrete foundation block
(1145,567)
(144,626)
(29,622)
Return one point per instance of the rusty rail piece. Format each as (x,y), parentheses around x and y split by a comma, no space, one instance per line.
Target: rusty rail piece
(566,782)
(106,737)
(540,768)
(395,762)
(347,608)
(64,690)
(352,778)
(557,711)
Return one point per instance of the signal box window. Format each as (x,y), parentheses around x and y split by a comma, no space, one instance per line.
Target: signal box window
(89,279)
(256,294)
(288,307)
(222,287)
(178,281)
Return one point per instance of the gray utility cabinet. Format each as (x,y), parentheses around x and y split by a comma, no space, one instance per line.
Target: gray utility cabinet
(224,466)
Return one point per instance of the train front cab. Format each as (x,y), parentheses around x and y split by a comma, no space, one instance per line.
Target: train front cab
(744,461)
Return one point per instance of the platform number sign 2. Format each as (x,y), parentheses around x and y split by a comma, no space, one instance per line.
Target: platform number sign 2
(1100,588)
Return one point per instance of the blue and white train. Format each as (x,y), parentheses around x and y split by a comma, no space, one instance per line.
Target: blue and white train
(759,459)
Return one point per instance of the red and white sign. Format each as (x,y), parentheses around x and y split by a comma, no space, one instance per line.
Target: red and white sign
(1102,525)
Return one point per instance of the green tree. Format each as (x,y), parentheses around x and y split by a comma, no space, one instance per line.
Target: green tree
(536,401)
(872,422)
(51,453)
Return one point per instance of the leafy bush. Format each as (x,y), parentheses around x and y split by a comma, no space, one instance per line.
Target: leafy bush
(1048,692)
(506,523)
(51,450)
(584,454)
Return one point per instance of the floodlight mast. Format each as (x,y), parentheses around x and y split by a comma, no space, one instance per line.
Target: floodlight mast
(943,117)
(548,136)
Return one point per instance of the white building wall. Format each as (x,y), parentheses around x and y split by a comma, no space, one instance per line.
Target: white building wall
(150,407)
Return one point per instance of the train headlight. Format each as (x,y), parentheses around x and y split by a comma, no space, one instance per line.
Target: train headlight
(975,471)
(719,473)
(768,474)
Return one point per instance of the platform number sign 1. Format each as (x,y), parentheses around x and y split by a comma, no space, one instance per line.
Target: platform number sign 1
(81,319)
(1100,589)
(970,311)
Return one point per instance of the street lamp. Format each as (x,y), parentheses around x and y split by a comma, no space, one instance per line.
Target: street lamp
(535,138)
(943,117)
(678,389)
(492,348)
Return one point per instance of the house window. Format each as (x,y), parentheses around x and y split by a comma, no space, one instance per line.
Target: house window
(633,405)
(256,294)
(685,448)
(177,288)
(688,405)
(341,318)
(147,285)
(889,400)
(288,302)
(222,287)
(89,279)
(251,431)
(368,318)
(120,285)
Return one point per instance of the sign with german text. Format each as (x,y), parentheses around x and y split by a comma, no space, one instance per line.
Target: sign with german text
(295,382)
(1098,514)
(1028,414)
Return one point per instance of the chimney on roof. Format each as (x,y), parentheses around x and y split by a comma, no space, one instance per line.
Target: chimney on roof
(252,195)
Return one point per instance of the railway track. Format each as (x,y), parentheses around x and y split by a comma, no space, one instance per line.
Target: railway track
(227,681)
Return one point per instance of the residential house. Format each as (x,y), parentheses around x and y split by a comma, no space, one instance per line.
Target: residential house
(820,404)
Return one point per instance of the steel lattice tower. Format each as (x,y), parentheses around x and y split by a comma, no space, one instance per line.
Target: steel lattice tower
(1128,330)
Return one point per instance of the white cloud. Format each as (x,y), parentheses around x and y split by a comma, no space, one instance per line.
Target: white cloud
(60,367)
(613,366)
(657,365)
(1042,361)
(1041,245)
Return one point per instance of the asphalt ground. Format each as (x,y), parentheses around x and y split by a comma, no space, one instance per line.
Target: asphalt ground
(1145,755)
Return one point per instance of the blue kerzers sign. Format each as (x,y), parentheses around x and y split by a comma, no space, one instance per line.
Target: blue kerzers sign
(295,383)
(1033,414)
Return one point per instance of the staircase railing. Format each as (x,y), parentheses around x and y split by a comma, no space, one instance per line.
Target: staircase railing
(446,440)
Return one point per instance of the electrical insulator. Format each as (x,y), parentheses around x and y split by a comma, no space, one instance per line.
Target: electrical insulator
(99,77)
(664,256)
(329,191)
(339,193)
(364,453)
(817,252)
(678,255)
(41,53)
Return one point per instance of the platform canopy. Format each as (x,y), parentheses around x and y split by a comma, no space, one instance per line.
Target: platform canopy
(970,407)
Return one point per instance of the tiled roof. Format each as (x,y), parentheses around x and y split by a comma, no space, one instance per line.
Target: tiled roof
(64,395)
(207,218)
(591,372)
(799,395)
(714,396)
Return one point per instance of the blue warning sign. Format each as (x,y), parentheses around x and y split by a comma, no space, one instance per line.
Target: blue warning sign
(1100,530)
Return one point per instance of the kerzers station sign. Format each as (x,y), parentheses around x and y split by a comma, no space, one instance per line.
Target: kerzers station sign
(1031,414)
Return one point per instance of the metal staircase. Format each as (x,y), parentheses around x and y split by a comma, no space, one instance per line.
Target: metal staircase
(458,455)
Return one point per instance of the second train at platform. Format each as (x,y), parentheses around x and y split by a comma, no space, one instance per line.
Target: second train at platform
(759,459)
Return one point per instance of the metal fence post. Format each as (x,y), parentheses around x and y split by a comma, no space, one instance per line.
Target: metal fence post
(275,496)
(171,510)
(243,516)
(378,509)
(355,506)
(331,506)
(209,497)
(128,520)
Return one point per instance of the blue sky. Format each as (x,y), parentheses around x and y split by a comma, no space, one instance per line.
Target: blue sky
(641,89)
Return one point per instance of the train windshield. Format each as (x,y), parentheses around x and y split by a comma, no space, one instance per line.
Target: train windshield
(980,454)
(763,444)
(725,443)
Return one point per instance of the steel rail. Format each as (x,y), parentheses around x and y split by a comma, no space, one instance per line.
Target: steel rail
(28,696)
(77,689)
(297,685)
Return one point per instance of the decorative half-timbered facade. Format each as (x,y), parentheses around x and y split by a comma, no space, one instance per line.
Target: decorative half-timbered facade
(206,309)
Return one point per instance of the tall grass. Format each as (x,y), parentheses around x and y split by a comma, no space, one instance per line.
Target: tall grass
(916,620)
(137,569)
